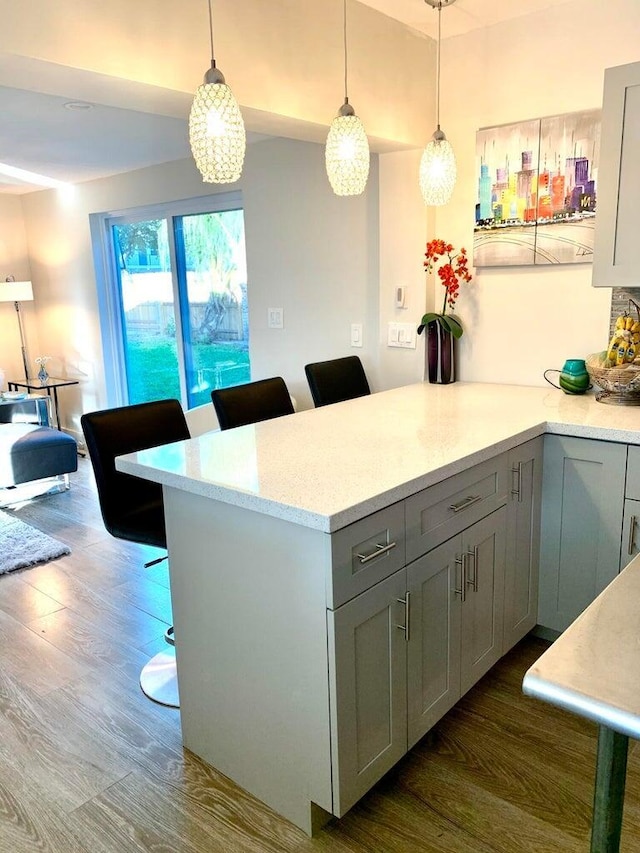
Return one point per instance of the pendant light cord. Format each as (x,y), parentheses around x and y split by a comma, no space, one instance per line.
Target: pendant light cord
(213,62)
(344,26)
(438,66)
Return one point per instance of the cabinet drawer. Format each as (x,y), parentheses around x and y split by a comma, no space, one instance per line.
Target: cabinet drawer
(364,553)
(439,512)
(632,489)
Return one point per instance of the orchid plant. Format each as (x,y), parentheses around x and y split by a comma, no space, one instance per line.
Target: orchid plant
(452,268)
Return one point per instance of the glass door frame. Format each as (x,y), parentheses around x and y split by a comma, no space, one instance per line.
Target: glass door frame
(107,281)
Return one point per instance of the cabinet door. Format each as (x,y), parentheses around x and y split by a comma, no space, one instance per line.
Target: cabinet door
(368,682)
(630,532)
(433,663)
(582,505)
(523,542)
(616,236)
(482,611)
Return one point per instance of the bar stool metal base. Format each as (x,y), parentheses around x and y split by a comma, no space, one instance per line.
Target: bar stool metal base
(158,679)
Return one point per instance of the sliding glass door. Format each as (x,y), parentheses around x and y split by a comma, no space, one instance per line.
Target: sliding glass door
(178,297)
(213,292)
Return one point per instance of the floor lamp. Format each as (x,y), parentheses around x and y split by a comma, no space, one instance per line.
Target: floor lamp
(17,292)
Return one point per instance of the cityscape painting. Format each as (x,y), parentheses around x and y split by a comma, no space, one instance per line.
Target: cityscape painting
(536,191)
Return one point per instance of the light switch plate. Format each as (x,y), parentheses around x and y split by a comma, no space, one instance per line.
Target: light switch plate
(402,335)
(275,318)
(356,334)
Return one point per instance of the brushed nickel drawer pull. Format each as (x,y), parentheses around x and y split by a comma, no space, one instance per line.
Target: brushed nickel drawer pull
(632,531)
(462,562)
(473,555)
(471,499)
(518,490)
(380,549)
(405,627)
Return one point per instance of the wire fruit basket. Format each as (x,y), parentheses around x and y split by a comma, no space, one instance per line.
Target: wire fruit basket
(620,386)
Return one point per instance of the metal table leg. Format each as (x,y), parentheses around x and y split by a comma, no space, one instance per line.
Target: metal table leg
(55,405)
(608,801)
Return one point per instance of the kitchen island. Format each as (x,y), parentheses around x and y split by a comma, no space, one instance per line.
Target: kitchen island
(308,579)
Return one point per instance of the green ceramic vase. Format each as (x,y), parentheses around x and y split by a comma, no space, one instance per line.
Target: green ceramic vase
(573,378)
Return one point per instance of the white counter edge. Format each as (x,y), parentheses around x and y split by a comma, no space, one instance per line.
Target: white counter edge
(582,705)
(130,464)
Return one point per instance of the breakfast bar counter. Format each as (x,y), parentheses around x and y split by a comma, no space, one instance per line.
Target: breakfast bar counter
(328,467)
(341,576)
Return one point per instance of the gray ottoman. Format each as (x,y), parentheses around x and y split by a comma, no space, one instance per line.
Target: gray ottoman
(30,452)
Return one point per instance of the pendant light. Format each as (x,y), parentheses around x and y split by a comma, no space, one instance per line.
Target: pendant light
(347,148)
(216,129)
(438,163)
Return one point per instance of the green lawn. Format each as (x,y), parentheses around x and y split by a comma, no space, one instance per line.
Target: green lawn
(152,369)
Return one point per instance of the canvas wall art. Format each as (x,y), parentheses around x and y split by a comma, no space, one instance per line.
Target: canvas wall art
(537,191)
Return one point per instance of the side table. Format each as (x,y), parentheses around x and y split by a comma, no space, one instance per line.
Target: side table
(50,385)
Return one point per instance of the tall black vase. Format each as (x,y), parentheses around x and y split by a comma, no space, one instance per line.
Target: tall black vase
(441,366)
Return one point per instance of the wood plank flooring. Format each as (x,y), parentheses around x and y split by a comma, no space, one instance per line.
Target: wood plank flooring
(89,765)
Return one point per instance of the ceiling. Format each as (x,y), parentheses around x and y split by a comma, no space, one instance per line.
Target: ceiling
(461,17)
(40,131)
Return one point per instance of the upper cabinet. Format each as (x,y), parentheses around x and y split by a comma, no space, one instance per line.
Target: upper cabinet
(615,258)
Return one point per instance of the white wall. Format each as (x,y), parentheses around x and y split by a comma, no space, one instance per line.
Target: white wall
(315,255)
(403,232)
(14,261)
(519,321)
(312,254)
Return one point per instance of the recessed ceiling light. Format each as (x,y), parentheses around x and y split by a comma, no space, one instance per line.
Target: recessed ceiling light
(78,106)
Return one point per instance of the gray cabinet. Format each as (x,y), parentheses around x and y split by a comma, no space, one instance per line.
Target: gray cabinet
(630,545)
(456,619)
(582,508)
(523,541)
(433,652)
(368,668)
(615,251)
(483,551)
(403,652)
(456,593)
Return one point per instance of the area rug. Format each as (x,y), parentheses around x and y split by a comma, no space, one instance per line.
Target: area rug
(22,546)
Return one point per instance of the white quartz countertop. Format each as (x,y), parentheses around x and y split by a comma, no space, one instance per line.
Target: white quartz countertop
(593,668)
(325,468)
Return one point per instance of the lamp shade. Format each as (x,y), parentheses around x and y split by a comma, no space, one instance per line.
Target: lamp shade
(16,291)
(437,170)
(347,155)
(216,133)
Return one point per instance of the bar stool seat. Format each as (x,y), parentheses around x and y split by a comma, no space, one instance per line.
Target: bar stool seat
(336,380)
(133,508)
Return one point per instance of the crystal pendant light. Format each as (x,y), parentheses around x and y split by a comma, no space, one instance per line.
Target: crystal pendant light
(347,148)
(438,163)
(216,129)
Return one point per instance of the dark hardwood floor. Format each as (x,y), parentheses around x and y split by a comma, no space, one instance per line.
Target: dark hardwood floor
(88,764)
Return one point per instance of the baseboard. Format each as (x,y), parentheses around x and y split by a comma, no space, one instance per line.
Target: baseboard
(546,633)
